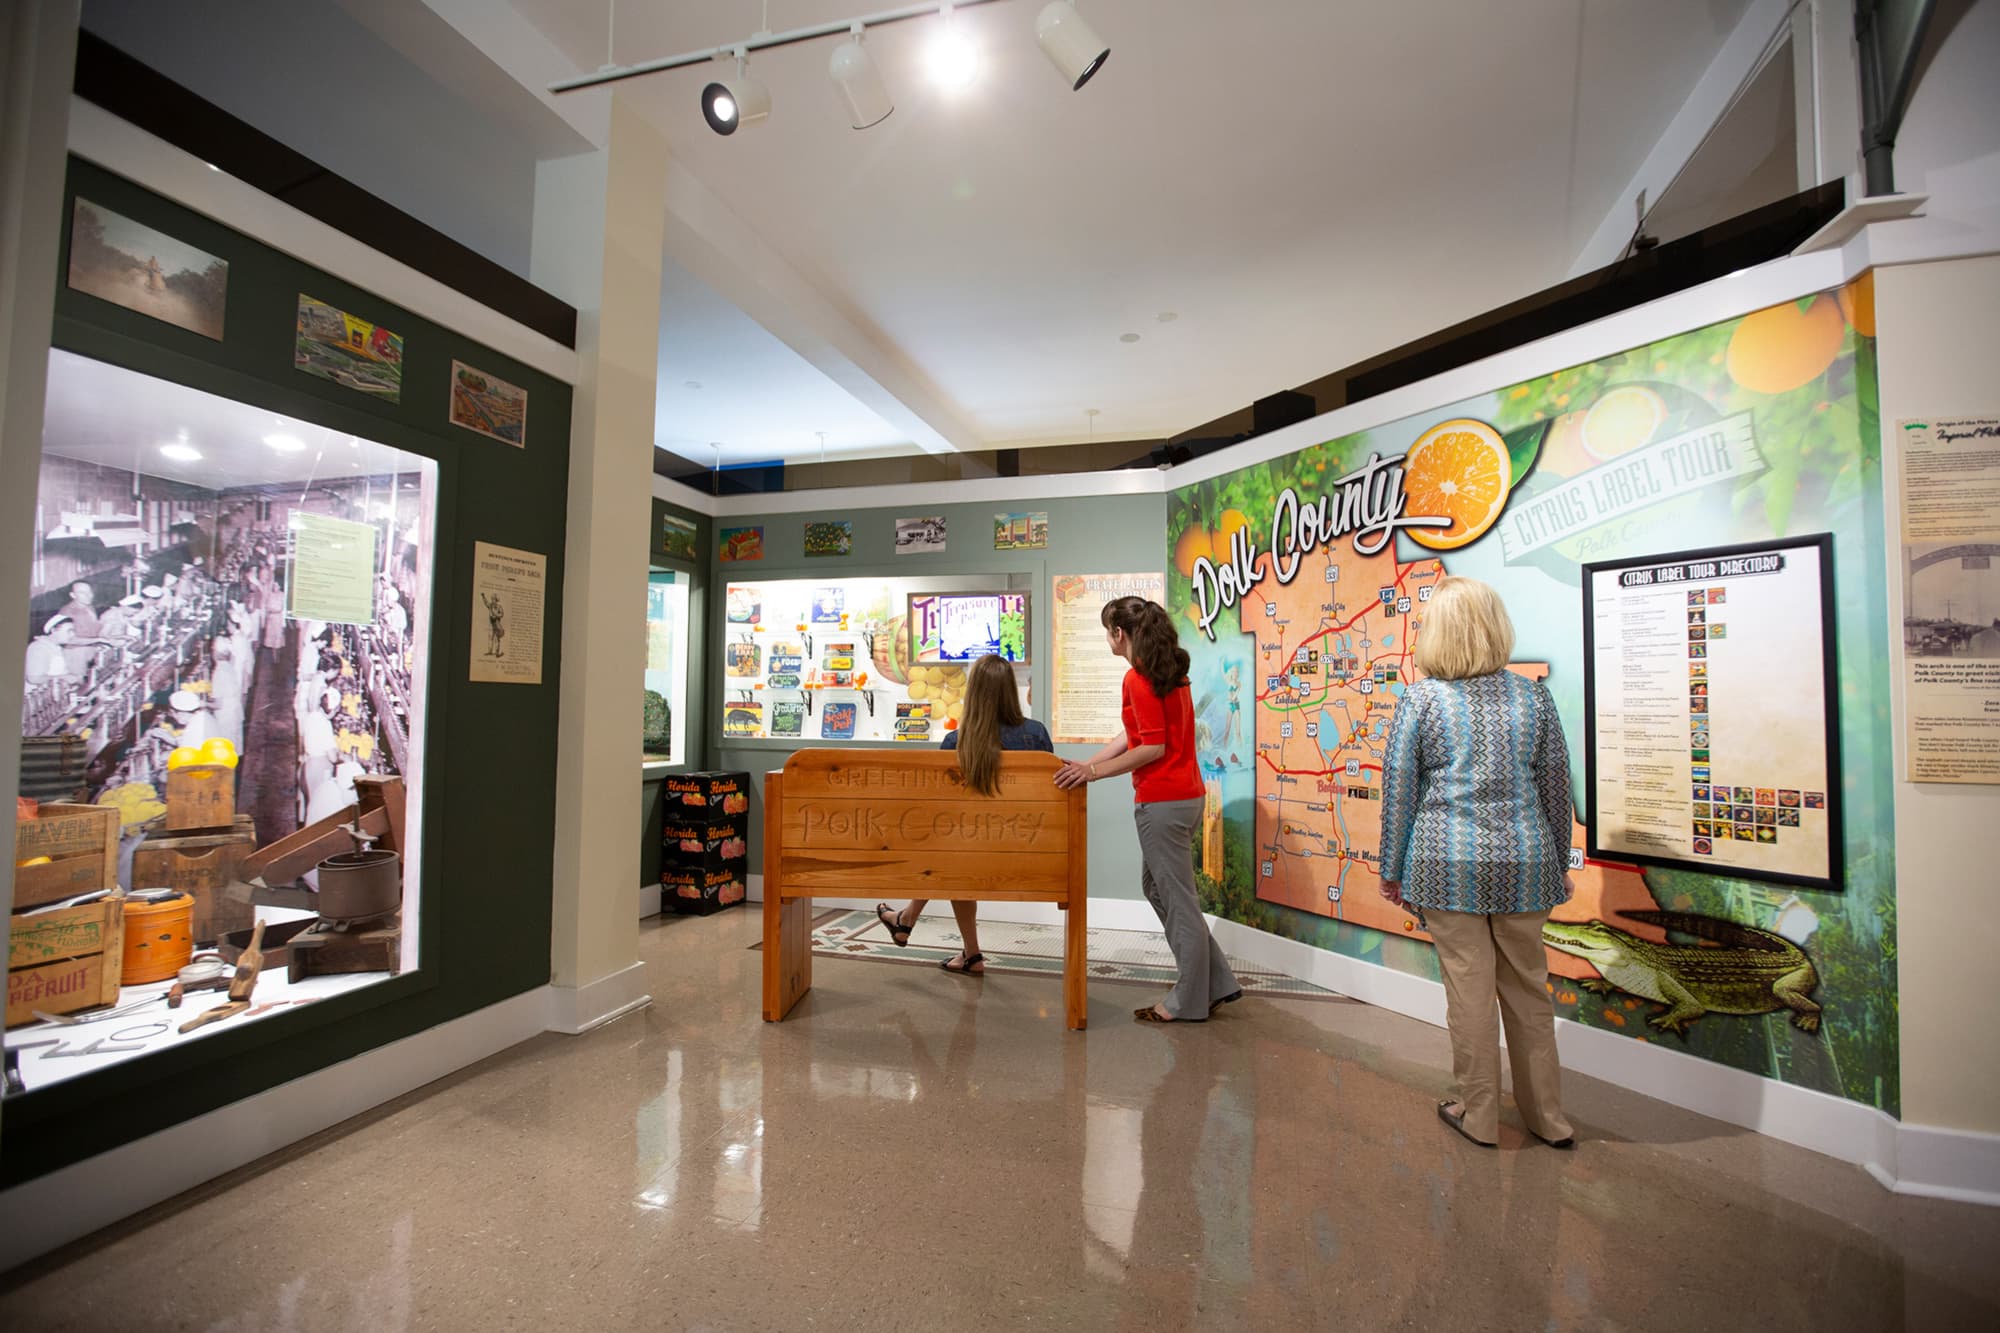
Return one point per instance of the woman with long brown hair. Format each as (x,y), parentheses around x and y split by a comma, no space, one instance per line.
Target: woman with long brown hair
(992,722)
(1157,749)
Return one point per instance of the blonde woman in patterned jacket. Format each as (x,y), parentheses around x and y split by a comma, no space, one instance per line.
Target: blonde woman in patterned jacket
(1476,820)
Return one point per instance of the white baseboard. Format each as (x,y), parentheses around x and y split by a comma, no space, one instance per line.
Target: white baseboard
(1958,1164)
(73,1201)
(1909,1159)
(649,900)
(577,1009)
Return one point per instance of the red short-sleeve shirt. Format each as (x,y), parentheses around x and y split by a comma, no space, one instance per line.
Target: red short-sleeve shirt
(1151,720)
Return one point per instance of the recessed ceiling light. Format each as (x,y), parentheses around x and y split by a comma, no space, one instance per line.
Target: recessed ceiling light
(286,444)
(181,453)
(1128,337)
(1166,317)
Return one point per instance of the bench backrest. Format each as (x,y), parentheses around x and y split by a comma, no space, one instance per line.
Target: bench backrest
(901,823)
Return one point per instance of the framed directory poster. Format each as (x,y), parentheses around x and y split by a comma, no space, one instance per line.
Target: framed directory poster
(1710,711)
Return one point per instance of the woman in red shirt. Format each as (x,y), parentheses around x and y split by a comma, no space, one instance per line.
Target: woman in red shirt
(1157,749)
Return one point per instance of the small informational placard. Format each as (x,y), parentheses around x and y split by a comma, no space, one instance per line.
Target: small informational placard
(1951,598)
(1709,712)
(333,570)
(1088,675)
(509,589)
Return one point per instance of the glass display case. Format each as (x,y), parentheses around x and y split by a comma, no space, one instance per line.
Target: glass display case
(666,666)
(863,659)
(223,721)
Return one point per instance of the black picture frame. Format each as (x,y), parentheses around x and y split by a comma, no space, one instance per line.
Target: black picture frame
(1821,543)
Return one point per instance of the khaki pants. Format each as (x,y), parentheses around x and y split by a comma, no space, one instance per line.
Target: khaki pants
(1484,956)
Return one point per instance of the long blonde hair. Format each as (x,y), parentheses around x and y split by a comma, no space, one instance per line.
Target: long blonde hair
(1466,631)
(992,701)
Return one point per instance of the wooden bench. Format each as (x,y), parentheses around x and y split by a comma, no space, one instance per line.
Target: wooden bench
(895,824)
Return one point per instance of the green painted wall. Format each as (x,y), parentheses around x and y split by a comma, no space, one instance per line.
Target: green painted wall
(489,790)
(1111,534)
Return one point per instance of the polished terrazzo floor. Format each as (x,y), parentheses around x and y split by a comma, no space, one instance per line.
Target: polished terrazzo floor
(913,1150)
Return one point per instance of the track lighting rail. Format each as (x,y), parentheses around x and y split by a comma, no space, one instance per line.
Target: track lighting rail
(758,42)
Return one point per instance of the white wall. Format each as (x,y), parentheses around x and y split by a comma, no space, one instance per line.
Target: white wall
(1939,324)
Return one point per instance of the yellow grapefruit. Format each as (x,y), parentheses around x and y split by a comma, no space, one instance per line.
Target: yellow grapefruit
(1232,520)
(1622,420)
(1562,452)
(1458,470)
(1781,347)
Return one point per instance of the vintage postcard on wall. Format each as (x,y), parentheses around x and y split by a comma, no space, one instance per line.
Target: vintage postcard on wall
(741,543)
(489,405)
(1014,532)
(824,539)
(677,538)
(920,536)
(116,259)
(508,592)
(351,352)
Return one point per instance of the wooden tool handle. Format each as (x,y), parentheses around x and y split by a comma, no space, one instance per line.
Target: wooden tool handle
(218,1012)
(248,965)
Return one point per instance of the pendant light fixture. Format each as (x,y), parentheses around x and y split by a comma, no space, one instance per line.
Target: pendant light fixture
(854,73)
(1072,47)
(730,104)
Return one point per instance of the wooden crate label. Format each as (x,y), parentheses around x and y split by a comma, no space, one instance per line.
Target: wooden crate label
(58,988)
(62,833)
(66,934)
(201,796)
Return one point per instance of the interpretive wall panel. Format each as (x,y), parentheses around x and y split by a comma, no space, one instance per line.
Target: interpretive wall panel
(1300,584)
(1708,723)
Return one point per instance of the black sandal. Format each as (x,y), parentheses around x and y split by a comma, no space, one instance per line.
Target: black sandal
(1457,1122)
(1151,1014)
(898,932)
(964,969)
(1230,998)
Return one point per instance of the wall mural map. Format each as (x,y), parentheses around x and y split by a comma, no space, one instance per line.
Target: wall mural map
(1302,584)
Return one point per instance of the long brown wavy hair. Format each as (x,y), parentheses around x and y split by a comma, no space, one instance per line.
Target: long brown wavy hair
(992,701)
(1156,645)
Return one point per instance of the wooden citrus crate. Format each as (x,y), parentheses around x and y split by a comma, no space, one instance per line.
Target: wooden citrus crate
(62,988)
(81,842)
(66,960)
(201,796)
(204,865)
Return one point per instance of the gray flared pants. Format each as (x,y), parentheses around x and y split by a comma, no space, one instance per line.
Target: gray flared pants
(1166,851)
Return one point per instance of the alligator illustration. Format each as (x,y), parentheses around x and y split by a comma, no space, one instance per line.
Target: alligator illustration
(1754,972)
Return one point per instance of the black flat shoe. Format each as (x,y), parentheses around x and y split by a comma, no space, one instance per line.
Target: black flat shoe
(1565,1144)
(1457,1124)
(1230,998)
(898,933)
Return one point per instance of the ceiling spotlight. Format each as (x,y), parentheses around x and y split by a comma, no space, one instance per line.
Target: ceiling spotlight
(954,60)
(729,104)
(286,444)
(181,453)
(1068,42)
(853,71)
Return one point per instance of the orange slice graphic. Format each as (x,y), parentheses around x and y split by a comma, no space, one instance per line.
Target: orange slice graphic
(1458,470)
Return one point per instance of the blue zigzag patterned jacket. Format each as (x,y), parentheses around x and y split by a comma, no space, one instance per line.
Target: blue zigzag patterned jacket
(1476,813)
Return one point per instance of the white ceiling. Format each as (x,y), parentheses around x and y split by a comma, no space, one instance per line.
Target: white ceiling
(1301,183)
(118,418)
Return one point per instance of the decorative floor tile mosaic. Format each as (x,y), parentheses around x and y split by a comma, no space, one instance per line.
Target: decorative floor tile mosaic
(1137,957)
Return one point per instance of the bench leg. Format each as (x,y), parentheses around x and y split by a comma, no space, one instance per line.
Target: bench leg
(1076,962)
(787,953)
